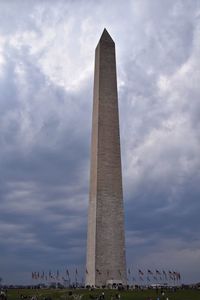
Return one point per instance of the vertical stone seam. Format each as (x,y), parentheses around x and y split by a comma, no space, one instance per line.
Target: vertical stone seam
(118,114)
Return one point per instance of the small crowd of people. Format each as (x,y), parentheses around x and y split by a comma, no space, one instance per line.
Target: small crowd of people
(162,297)
(102,297)
(3,295)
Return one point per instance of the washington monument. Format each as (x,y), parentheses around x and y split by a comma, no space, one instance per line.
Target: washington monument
(106,262)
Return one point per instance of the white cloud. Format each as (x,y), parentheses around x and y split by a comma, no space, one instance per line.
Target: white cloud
(2,58)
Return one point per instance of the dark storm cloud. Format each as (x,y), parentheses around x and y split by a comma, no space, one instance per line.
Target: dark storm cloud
(161,173)
(46,76)
(43,159)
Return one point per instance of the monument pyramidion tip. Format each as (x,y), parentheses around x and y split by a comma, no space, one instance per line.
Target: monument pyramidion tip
(105,37)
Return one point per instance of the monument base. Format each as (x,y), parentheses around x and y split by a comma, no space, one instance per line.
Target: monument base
(114,283)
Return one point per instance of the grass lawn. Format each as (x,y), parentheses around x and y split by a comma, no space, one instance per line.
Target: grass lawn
(83,294)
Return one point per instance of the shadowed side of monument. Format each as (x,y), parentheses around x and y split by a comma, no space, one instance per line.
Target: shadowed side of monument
(105,242)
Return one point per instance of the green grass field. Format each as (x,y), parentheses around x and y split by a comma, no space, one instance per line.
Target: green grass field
(81,294)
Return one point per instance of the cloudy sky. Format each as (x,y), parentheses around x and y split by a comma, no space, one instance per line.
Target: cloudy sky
(46,81)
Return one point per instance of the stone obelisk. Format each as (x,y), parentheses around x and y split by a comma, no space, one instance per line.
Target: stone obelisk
(106,263)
